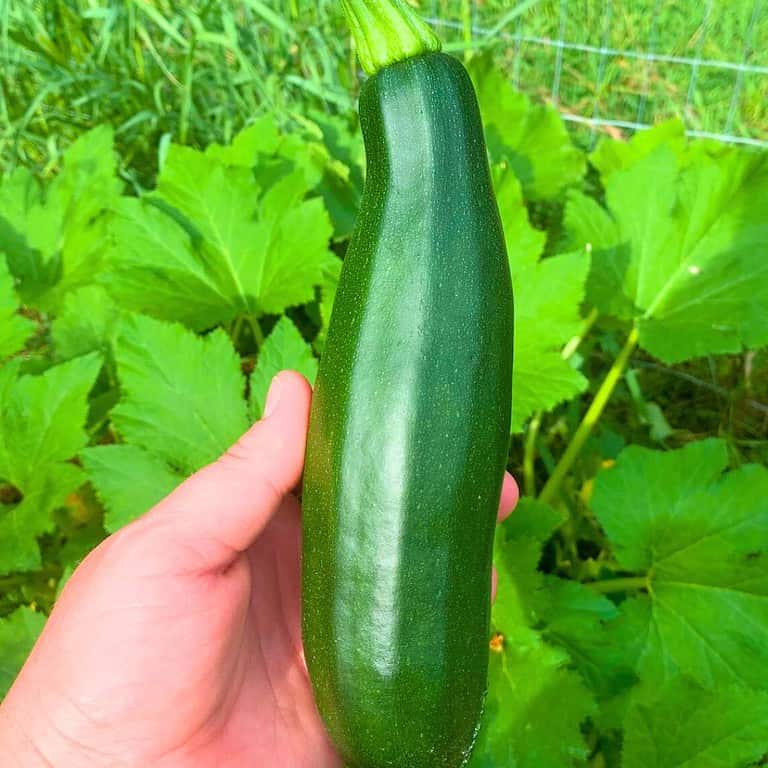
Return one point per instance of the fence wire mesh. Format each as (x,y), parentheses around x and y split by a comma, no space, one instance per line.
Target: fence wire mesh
(625,65)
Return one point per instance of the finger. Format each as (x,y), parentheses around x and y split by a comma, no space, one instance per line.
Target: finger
(220,510)
(494,584)
(510,494)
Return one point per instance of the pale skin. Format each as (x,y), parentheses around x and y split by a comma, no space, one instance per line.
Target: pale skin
(177,642)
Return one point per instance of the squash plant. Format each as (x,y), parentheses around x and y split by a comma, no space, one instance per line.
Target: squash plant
(137,335)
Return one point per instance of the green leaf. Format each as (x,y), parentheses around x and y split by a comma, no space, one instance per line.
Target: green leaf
(342,182)
(712,296)
(542,377)
(534,710)
(298,248)
(42,420)
(260,138)
(14,329)
(214,244)
(684,726)
(329,284)
(328,154)
(531,138)
(548,293)
(516,560)
(578,619)
(525,244)
(272,155)
(535,703)
(55,238)
(128,481)
(9,372)
(517,550)
(19,193)
(18,633)
(700,538)
(154,268)
(81,537)
(547,301)
(684,263)
(638,515)
(21,200)
(182,395)
(21,524)
(589,227)
(284,349)
(558,382)
(611,155)
(572,610)
(533,519)
(87,323)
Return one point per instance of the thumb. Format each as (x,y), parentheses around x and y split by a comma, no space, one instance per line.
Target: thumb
(221,509)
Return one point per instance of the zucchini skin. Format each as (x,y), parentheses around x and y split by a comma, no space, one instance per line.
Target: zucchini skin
(409,434)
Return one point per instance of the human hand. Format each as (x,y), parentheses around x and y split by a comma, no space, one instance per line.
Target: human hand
(177,642)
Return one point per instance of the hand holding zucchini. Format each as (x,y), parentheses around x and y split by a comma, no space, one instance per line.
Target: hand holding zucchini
(410,419)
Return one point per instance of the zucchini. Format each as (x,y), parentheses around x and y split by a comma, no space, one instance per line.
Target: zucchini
(409,427)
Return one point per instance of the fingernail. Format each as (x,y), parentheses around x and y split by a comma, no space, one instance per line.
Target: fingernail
(273,397)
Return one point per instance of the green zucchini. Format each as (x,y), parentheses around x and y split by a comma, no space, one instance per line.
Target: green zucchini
(409,429)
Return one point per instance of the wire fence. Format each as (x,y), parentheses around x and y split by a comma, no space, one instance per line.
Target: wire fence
(616,65)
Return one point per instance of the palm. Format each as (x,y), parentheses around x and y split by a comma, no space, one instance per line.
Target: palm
(271,717)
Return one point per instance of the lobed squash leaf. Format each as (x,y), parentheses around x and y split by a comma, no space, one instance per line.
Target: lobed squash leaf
(680,251)
(548,294)
(18,633)
(530,138)
(284,349)
(42,427)
(218,239)
(700,540)
(14,329)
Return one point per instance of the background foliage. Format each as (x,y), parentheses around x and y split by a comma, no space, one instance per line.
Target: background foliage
(179,186)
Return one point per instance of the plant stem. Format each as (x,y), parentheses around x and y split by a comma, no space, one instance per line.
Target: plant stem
(258,334)
(591,418)
(529,455)
(626,584)
(237,328)
(570,348)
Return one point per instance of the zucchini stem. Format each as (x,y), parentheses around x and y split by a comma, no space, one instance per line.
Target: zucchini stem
(591,417)
(387,31)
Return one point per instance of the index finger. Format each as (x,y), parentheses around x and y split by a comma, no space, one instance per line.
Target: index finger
(510,494)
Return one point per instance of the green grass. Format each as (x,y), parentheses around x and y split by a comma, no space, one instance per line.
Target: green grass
(196,71)
(193,72)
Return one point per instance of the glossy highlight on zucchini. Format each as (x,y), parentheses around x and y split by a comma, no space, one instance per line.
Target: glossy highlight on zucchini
(409,434)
